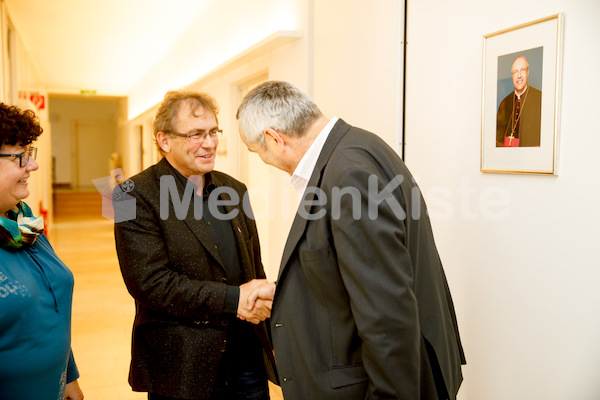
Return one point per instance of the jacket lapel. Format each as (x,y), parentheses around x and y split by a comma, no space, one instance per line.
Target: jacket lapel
(198,227)
(299,225)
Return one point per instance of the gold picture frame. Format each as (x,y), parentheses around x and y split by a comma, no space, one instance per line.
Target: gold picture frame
(521,98)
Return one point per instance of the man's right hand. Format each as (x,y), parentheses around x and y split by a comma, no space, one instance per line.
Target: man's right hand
(255,300)
(264,292)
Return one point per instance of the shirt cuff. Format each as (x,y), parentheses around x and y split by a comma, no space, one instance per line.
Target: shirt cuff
(232,299)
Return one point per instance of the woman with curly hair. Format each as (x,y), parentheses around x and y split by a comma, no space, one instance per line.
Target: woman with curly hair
(36,288)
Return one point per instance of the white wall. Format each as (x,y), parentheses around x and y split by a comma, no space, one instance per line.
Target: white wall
(524,273)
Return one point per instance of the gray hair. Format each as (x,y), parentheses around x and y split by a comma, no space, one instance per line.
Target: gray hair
(276,105)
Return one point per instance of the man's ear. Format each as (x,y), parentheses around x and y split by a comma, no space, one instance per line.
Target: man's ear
(163,141)
(275,136)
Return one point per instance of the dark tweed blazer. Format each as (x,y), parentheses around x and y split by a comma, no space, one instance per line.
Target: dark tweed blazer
(174,272)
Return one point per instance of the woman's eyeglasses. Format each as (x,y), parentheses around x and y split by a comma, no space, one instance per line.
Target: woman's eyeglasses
(23,157)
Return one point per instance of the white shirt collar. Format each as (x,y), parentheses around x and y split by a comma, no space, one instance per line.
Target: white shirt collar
(307,164)
(519,95)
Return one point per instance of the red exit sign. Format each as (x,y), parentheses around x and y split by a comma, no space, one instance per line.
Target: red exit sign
(39,100)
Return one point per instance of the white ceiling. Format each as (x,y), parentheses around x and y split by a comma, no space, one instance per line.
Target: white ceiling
(102,45)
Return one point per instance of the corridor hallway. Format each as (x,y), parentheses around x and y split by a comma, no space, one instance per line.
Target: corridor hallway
(103,310)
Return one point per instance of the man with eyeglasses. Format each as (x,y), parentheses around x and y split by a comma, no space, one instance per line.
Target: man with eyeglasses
(519,114)
(190,258)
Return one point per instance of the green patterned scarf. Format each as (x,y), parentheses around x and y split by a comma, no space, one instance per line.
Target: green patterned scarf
(21,228)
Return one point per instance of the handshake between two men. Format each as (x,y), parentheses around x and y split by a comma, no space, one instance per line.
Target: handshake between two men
(256,300)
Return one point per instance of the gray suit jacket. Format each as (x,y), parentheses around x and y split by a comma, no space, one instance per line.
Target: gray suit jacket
(173,270)
(362,308)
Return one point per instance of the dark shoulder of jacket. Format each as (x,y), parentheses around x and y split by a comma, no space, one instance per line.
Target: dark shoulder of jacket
(360,146)
(147,176)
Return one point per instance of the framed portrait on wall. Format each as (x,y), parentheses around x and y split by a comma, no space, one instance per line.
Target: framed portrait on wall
(521,98)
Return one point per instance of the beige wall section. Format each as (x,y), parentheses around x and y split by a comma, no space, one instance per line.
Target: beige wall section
(19,79)
(218,35)
(356,63)
(40,183)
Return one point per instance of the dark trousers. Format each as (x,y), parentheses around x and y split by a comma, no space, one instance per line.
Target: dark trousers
(236,381)
(242,375)
(154,396)
(241,372)
(248,385)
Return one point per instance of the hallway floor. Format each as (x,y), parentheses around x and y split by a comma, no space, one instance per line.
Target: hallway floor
(103,310)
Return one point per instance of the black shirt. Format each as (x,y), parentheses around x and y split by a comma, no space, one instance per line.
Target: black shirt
(221,232)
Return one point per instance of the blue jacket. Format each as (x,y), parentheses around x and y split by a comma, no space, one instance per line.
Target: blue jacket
(36,291)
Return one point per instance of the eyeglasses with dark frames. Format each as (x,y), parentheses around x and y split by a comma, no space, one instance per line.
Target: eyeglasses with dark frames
(199,136)
(24,156)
